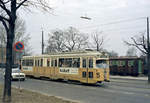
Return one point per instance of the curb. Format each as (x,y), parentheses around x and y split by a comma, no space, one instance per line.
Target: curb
(130,78)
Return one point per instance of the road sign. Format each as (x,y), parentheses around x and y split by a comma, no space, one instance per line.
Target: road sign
(18,46)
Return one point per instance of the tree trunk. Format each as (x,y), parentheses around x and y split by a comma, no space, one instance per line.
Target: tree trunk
(9,62)
(9,53)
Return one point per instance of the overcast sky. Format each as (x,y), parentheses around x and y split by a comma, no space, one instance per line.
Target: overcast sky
(105,15)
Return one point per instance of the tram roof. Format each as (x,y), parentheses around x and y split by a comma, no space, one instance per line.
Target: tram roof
(68,54)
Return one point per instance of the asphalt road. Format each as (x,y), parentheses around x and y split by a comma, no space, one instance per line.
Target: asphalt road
(116,91)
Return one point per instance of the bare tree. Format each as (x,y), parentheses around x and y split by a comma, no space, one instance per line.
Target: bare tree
(98,40)
(56,41)
(131,52)
(141,43)
(20,35)
(66,40)
(8,17)
(74,40)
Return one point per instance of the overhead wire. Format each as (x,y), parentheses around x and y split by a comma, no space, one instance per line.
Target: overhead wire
(116,22)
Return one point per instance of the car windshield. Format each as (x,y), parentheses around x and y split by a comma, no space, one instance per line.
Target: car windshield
(101,64)
(16,71)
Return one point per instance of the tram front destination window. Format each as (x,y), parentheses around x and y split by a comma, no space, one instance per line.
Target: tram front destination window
(101,64)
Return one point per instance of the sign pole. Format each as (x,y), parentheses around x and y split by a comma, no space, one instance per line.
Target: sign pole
(18,47)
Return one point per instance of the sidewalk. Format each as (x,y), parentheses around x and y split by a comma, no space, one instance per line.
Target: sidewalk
(129,77)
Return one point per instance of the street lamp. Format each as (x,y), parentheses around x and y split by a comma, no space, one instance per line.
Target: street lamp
(85,17)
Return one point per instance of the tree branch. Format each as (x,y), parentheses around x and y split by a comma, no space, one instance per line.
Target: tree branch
(144,45)
(2,19)
(20,4)
(136,42)
(135,45)
(2,5)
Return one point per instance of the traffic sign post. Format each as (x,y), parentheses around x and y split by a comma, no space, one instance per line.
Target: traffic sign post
(18,47)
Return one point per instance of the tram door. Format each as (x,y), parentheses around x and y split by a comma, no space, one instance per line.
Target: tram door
(87,71)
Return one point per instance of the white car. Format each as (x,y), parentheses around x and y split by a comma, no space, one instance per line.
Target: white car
(17,74)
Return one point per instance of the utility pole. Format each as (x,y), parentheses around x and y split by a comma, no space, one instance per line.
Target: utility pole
(42,42)
(148,51)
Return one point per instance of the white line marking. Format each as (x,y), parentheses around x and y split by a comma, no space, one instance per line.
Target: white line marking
(128,92)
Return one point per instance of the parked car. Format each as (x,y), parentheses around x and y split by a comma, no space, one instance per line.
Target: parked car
(17,74)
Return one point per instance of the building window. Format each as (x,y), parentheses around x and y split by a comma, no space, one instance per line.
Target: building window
(122,63)
(130,63)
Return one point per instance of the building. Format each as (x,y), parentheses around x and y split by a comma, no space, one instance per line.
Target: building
(126,66)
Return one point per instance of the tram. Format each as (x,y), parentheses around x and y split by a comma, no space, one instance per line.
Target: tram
(85,66)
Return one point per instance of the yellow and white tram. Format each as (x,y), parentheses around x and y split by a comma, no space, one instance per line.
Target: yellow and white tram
(86,66)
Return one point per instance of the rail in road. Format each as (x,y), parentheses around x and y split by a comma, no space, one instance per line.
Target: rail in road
(107,92)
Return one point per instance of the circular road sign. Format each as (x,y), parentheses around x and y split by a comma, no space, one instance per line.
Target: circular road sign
(18,46)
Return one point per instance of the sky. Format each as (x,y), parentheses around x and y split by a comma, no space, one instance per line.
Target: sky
(118,20)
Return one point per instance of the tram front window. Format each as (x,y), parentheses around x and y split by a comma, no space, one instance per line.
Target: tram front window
(101,64)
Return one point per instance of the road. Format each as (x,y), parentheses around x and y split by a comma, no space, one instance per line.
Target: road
(116,91)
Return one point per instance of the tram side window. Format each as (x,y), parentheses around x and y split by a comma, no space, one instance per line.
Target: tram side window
(55,63)
(41,62)
(52,61)
(84,63)
(38,62)
(90,63)
(76,62)
(28,62)
(65,62)
(90,74)
(23,63)
(61,62)
(68,62)
(48,62)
